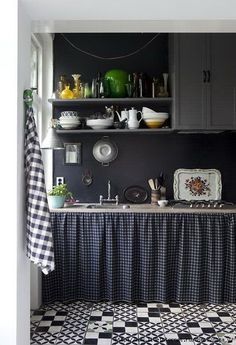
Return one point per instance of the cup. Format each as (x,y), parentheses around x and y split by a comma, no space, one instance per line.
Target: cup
(155,197)
(162,203)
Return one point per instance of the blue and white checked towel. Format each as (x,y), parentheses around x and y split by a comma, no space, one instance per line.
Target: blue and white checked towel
(39,234)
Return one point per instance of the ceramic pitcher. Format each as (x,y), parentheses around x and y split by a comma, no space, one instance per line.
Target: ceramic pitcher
(123,115)
(133,121)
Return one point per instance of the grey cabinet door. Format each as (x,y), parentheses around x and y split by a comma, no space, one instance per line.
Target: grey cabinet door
(191,60)
(221,98)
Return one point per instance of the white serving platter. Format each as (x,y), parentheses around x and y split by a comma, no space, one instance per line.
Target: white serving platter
(197,184)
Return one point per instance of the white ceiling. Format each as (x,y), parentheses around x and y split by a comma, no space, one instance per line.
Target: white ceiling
(131,15)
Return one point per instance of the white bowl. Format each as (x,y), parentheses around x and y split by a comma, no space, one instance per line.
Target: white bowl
(69,125)
(69,120)
(162,203)
(99,123)
(147,110)
(157,116)
(154,123)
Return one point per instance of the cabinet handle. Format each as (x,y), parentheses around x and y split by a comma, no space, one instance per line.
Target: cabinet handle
(208,76)
(204,76)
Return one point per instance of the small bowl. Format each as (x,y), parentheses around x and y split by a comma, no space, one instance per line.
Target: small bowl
(153,123)
(99,123)
(69,113)
(157,116)
(162,203)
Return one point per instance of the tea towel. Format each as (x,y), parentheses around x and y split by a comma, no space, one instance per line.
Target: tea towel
(38,225)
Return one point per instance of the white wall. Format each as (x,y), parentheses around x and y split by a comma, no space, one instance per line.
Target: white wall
(14,286)
(23,286)
(130,9)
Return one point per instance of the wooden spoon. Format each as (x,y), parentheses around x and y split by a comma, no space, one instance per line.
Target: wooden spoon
(151,184)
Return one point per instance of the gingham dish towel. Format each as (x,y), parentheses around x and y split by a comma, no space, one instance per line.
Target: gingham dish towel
(39,234)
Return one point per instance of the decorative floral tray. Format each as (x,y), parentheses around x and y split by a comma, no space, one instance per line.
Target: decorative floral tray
(197,184)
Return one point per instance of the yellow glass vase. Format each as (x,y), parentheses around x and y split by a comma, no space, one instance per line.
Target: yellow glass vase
(67,93)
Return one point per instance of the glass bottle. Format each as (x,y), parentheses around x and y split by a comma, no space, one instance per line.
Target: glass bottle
(135,85)
(86,90)
(155,89)
(98,84)
(76,89)
(61,86)
(94,88)
(67,93)
(130,86)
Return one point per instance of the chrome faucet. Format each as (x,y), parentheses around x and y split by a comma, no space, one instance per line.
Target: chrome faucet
(109,199)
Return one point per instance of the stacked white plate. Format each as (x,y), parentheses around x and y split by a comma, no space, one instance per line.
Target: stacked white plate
(69,120)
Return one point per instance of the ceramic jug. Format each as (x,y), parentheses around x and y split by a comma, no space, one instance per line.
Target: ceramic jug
(123,115)
(133,121)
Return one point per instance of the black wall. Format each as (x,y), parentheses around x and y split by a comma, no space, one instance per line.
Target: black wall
(140,156)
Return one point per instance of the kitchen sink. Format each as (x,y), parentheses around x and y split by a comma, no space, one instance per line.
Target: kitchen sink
(109,206)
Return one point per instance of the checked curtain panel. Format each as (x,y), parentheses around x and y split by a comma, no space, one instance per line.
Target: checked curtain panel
(183,257)
(38,224)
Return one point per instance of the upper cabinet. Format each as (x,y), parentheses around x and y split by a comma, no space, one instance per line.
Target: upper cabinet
(205,81)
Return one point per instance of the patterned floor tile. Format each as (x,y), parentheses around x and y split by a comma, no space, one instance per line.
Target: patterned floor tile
(179,338)
(98,315)
(76,321)
(125,312)
(96,338)
(152,339)
(81,307)
(149,317)
(151,333)
(125,339)
(100,326)
(174,307)
(155,305)
(214,307)
(58,306)
(195,316)
(192,308)
(37,315)
(206,339)
(106,323)
(103,306)
(51,322)
(125,327)
(71,338)
(227,338)
(200,327)
(175,327)
(44,338)
(220,316)
(225,327)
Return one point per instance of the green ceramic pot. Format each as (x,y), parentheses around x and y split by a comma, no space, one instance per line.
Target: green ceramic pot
(115,83)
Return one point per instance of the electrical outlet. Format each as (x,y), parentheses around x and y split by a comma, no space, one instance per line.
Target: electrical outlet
(59,180)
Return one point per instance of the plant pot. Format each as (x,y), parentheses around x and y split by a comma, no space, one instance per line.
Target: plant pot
(56,201)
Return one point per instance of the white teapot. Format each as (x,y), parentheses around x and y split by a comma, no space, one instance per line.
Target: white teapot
(133,121)
(123,115)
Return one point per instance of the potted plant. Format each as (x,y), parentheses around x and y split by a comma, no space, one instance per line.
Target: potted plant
(57,196)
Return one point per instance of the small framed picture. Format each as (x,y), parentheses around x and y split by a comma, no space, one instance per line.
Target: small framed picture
(72,154)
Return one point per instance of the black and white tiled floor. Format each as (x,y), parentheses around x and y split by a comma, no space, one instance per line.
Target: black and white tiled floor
(106,323)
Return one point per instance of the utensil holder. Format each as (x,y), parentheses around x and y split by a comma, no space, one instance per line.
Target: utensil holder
(155,196)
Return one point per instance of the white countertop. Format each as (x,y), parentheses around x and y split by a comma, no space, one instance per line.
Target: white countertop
(139,208)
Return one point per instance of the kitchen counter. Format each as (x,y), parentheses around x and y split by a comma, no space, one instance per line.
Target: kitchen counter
(140,208)
(152,255)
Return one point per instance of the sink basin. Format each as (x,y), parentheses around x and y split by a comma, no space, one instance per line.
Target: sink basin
(108,206)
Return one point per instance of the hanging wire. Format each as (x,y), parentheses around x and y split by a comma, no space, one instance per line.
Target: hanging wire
(107,57)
